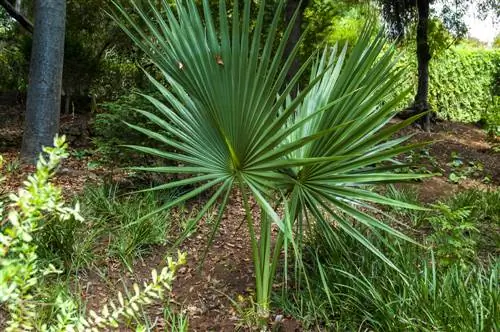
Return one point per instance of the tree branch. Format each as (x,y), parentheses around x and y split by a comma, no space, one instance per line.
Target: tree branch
(25,23)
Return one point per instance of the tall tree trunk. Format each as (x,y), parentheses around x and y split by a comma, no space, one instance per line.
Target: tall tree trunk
(44,90)
(291,7)
(423,57)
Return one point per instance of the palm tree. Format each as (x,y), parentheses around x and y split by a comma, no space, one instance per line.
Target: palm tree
(233,125)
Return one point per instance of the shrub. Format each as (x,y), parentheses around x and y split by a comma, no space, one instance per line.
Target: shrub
(21,272)
(110,135)
(453,237)
(460,83)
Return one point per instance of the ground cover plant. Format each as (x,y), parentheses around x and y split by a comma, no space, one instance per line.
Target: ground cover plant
(235,126)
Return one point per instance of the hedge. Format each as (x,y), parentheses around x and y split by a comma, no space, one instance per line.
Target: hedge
(461,83)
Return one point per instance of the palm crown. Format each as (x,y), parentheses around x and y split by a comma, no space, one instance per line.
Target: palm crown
(232,123)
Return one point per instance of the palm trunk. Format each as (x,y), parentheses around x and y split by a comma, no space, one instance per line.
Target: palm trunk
(421,103)
(44,90)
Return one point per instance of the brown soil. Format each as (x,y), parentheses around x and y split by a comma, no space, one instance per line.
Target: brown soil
(471,144)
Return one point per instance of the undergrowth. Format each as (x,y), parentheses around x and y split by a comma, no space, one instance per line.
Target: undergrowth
(120,219)
(33,233)
(449,284)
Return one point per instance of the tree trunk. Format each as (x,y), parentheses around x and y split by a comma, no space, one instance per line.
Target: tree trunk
(44,90)
(291,7)
(421,103)
(67,103)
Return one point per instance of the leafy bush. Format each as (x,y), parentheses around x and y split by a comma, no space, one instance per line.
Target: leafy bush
(453,237)
(110,134)
(117,76)
(484,215)
(13,68)
(21,272)
(460,86)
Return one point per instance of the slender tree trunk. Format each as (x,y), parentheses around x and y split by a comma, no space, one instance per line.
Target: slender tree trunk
(291,7)
(44,90)
(423,57)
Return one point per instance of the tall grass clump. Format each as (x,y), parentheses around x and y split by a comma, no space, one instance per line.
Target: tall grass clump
(119,219)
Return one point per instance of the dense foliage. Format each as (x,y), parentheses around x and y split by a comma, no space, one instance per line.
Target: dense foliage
(461,83)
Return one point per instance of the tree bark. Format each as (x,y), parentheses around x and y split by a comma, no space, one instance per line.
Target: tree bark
(421,103)
(16,14)
(291,7)
(44,90)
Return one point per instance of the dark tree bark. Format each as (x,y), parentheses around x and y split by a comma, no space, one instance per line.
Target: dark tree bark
(291,7)
(421,103)
(16,14)
(44,90)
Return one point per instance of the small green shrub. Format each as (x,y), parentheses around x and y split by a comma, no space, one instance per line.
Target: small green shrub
(13,67)
(110,133)
(453,237)
(484,214)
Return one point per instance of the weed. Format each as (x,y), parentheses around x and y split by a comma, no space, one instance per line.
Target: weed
(461,170)
(485,214)
(453,237)
(176,322)
(421,161)
(80,154)
(13,166)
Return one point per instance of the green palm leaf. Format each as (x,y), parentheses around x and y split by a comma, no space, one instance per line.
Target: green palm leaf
(232,123)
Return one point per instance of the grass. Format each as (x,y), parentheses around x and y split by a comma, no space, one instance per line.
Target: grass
(120,219)
(353,290)
(113,227)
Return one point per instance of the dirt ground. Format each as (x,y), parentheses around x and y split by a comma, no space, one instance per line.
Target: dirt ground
(205,293)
